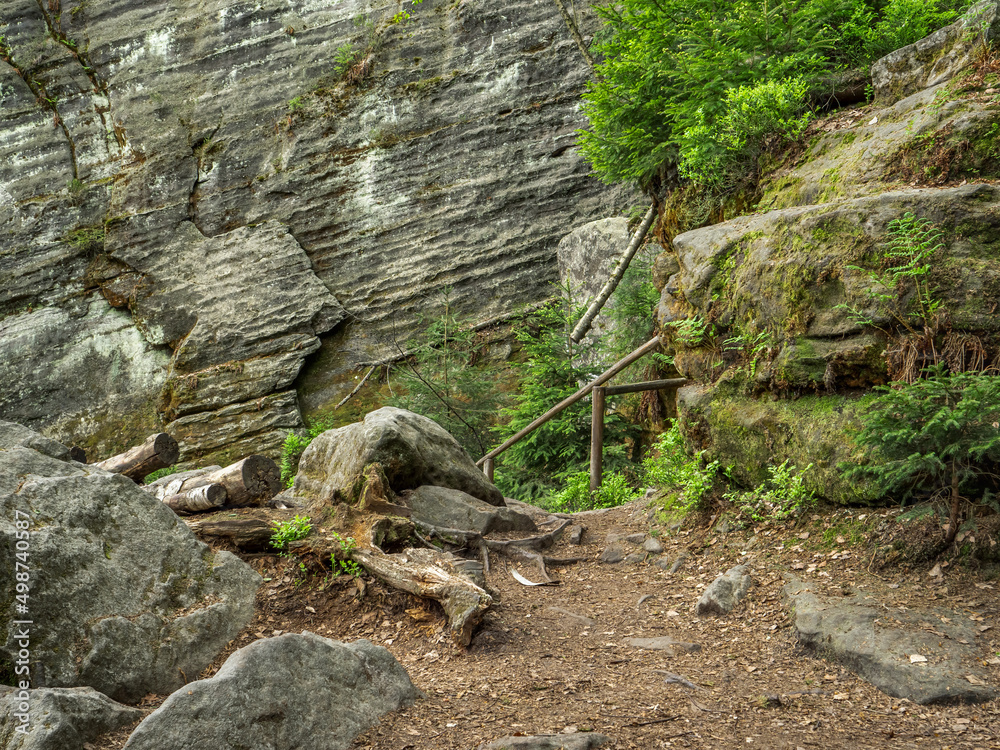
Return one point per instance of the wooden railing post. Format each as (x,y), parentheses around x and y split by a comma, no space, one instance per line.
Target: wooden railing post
(569,401)
(597,438)
(488,468)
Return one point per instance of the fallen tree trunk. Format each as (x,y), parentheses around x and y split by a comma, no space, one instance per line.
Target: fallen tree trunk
(157,452)
(252,481)
(206,497)
(428,573)
(246,534)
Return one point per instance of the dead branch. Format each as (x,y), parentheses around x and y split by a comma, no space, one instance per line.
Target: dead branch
(428,573)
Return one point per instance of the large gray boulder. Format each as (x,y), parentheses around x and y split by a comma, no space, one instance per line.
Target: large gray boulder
(412,450)
(123,597)
(293,692)
(938,57)
(59,718)
(588,255)
(898,655)
(454,509)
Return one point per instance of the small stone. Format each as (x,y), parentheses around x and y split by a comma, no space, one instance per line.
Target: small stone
(652,546)
(612,554)
(635,558)
(725,592)
(635,538)
(574,534)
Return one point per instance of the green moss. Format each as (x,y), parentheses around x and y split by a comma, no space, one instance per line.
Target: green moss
(87,240)
(750,434)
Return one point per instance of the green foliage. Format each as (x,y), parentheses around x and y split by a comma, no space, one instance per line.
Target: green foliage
(901,282)
(782,496)
(290,531)
(939,432)
(726,152)
(554,369)
(686,478)
(874,31)
(441,382)
(345,564)
(630,310)
(296,444)
(403,15)
(615,490)
(344,58)
(153,476)
(676,70)
(295,104)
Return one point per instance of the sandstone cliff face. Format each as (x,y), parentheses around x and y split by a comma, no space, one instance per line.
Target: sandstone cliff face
(194,198)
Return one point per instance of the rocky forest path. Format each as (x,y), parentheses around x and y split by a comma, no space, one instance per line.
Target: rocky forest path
(561,659)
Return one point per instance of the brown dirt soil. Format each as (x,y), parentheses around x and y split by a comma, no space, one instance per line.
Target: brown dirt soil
(550,658)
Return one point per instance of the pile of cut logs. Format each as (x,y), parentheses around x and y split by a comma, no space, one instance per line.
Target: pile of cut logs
(251,481)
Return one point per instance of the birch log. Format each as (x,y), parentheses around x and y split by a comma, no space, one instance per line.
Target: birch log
(206,497)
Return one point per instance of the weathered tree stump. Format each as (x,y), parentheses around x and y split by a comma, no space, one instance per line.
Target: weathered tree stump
(157,452)
(428,573)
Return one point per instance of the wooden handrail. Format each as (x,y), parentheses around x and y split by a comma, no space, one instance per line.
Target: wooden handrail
(570,400)
(649,385)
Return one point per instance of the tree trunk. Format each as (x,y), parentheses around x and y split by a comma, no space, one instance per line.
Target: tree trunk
(206,497)
(252,481)
(158,452)
(426,573)
(246,534)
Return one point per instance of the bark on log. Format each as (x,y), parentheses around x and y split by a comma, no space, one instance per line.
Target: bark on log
(246,534)
(427,573)
(206,497)
(158,452)
(252,481)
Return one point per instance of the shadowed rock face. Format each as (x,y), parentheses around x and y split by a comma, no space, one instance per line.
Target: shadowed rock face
(204,170)
(131,601)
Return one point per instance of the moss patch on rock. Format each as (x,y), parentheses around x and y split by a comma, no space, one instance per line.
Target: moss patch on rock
(749,434)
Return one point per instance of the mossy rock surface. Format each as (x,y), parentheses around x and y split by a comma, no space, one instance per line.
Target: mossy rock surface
(750,434)
(777,289)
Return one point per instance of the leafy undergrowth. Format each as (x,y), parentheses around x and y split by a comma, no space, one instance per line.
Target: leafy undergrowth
(547,659)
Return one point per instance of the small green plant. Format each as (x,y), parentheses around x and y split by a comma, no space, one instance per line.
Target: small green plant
(295,104)
(153,476)
(555,367)
(782,496)
(290,531)
(901,282)
(938,434)
(344,565)
(688,479)
(442,382)
(295,445)
(752,348)
(86,240)
(615,490)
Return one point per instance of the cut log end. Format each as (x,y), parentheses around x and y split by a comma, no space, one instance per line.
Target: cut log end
(159,451)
